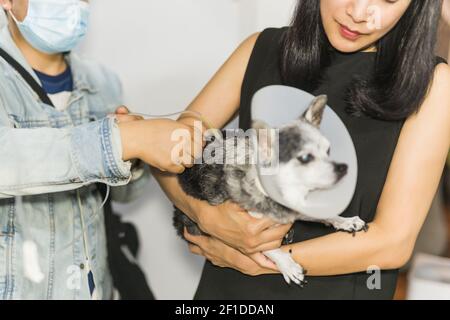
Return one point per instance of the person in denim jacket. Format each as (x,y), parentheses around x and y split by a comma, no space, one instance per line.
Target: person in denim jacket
(52,233)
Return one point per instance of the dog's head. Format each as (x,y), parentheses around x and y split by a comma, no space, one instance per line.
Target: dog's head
(304,154)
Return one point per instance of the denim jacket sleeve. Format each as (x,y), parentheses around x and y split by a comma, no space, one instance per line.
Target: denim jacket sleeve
(140,175)
(136,187)
(47,160)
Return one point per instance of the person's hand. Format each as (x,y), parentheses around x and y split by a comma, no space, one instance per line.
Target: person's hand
(234,226)
(162,143)
(224,256)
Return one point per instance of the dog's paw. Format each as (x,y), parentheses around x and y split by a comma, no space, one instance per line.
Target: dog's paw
(350,225)
(291,270)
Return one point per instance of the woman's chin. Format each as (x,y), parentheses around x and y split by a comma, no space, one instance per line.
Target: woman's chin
(348,46)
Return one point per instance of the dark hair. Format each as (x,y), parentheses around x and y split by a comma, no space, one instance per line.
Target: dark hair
(404,64)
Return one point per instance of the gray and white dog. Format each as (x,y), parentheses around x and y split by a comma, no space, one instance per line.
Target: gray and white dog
(304,166)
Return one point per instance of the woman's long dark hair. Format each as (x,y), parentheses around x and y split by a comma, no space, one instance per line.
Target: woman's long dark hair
(404,67)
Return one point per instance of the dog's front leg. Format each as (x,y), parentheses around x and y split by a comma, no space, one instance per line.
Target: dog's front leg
(350,225)
(290,269)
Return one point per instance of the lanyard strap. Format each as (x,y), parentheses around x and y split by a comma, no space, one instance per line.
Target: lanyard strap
(27,77)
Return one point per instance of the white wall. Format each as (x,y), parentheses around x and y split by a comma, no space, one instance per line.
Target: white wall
(165,51)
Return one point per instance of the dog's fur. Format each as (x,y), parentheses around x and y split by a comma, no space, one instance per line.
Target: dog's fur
(304,165)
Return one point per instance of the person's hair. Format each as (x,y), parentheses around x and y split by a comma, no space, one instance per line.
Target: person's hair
(404,63)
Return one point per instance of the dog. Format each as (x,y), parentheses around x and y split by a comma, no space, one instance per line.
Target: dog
(304,166)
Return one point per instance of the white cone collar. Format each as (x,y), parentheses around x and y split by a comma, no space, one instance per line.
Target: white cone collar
(278,105)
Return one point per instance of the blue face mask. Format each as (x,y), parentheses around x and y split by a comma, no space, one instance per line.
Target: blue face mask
(54,26)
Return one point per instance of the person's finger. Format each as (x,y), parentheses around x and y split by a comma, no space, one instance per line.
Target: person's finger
(198,131)
(176,169)
(255,226)
(268,239)
(196,250)
(180,169)
(122,110)
(194,147)
(263,261)
(186,158)
(261,224)
(268,246)
(189,160)
(274,234)
(200,241)
(188,164)
(127,118)
(235,207)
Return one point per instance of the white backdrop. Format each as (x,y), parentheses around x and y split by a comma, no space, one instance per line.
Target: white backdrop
(165,51)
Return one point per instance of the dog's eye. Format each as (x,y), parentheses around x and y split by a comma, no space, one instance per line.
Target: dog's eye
(329,151)
(306,158)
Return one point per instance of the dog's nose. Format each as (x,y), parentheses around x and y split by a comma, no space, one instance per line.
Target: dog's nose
(340,169)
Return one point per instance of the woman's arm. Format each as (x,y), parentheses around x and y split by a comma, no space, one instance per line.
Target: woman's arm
(410,187)
(218,102)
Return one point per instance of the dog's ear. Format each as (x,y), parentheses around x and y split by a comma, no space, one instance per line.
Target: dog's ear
(315,111)
(266,137)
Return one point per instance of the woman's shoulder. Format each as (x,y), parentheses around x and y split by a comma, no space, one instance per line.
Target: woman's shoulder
(264,41)
(441,79)
(262,48)
(270,40)
(436,104)
(273,35)
(256,51)
(441,76)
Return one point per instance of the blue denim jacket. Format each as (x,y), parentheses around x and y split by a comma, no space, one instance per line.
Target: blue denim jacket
(51,159)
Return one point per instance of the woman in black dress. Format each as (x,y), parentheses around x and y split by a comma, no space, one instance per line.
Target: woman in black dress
(375,61)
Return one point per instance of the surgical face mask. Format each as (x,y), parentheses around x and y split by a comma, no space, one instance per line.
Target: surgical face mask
(54,26)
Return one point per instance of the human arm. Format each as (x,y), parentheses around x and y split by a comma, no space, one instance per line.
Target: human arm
(48,160)
(45,160)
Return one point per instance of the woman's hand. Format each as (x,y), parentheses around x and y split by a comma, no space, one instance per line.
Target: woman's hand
(235,227)
(225,256)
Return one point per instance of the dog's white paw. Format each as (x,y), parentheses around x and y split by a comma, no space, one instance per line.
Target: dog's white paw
(351,225)
(290,269)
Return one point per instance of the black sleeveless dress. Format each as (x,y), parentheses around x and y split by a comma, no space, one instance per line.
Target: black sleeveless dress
(375,142)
